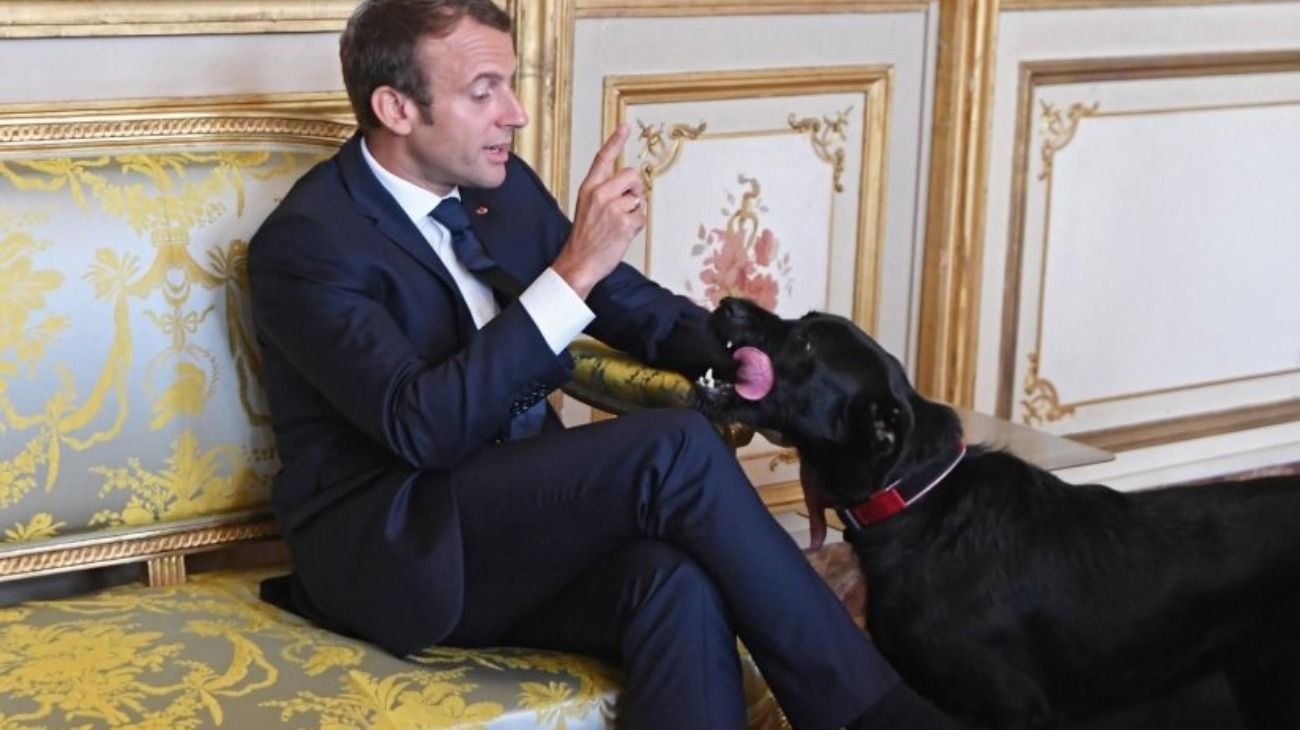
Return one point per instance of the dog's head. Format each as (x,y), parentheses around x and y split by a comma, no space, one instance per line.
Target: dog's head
(832,392)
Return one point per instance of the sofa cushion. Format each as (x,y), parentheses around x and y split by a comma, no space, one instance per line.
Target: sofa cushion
(208,653)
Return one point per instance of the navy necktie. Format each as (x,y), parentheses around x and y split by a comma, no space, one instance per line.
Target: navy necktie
(470,252)
(528,412)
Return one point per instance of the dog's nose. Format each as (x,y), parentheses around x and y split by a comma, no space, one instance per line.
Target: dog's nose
(732,307)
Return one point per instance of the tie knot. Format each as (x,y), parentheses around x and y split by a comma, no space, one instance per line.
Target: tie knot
(452,214)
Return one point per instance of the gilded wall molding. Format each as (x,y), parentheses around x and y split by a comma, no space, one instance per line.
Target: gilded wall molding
(1060,127)
(955,208)
(544,43)
(823,134)
(61,18)
(1201,425)
(1020,5)
(1042,403)
(679,8)
(661,147)
(311,118)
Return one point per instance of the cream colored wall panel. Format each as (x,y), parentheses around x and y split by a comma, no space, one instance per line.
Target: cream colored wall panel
(1159,238)
(1140,227)
(795,177)
(796,160)
(152,67)
(1114,34)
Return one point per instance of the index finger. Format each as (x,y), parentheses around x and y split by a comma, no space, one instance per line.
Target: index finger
(602,167)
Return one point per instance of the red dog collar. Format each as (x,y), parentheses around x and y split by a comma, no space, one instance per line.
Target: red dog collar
(898,496)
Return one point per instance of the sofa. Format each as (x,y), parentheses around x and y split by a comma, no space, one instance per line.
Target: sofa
(134,432)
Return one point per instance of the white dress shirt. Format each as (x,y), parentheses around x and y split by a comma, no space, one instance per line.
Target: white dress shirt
(557,310)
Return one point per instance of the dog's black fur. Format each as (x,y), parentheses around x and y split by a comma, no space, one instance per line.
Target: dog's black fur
(1014,599)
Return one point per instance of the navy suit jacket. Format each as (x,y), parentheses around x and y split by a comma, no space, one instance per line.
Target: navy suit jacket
(380,385)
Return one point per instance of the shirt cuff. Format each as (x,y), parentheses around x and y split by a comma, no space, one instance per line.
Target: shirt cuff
(556,309)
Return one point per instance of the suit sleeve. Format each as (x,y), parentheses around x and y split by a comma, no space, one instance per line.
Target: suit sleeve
(316,308)
(642,318)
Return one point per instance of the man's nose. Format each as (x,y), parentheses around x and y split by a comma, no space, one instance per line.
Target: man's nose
(515,116)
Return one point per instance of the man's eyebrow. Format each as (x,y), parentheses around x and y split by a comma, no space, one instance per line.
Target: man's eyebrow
(488,76)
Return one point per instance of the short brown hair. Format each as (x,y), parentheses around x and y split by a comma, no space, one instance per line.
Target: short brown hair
(380,46)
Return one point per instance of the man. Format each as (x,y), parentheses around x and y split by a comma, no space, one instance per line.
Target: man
(429,496)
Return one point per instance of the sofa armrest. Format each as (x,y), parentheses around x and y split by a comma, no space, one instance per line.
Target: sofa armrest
(615,382)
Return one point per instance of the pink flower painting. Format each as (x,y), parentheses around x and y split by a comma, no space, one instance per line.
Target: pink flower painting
(741,258)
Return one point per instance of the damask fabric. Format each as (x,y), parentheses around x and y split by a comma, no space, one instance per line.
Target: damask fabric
(209,653)
(130,385)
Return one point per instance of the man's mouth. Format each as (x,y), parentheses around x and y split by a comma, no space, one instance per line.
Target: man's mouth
(754,375)
(498,150)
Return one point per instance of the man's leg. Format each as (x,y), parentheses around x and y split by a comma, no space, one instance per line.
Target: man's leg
(594,491)
(651,609)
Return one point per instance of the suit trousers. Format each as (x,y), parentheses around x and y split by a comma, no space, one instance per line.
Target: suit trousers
(641,541)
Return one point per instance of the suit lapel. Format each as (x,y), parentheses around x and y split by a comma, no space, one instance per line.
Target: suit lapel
(373,200)
(489,226)
(380,207)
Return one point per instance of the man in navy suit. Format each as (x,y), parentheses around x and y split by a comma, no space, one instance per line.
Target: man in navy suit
(413,297)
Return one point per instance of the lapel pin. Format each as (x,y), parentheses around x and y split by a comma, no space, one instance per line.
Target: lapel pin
(481,210)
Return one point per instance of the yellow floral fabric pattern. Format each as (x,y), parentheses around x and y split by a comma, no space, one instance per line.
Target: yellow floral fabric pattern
(130,386)
(209,653)
(614,381)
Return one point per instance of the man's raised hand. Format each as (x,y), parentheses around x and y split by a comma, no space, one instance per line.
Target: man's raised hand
(610,212)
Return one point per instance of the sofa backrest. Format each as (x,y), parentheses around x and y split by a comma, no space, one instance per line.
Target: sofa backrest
(132,418)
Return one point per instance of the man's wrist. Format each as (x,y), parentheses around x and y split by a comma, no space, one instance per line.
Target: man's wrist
(574,275)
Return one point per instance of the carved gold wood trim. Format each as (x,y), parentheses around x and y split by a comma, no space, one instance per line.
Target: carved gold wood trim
(543,39)
(1060,131)
(678,8)
(1042,402)
(1032,76)
(1201,425)
(68,18)
(1013,5)
(315,118)
(955,207)
(783,458)
(127,545)
(658,155)
(822,133)
(875,83)
(782,497)
(169,570)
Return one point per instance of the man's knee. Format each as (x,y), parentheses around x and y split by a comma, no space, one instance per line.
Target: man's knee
(680,430)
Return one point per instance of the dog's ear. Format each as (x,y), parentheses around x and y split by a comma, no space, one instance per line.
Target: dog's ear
(887,422)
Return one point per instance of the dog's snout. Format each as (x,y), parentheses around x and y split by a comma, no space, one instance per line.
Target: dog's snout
(733,308)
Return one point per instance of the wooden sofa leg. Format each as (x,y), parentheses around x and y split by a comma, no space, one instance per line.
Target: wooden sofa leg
(168,570)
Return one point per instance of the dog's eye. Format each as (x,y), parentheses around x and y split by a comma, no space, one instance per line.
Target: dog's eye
(801,344)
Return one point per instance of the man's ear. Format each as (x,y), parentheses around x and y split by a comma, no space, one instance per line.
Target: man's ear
(395,110)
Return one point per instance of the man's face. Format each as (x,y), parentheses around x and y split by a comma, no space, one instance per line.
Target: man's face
(474,111)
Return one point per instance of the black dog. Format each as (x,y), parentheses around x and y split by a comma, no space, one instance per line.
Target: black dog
(1013,599)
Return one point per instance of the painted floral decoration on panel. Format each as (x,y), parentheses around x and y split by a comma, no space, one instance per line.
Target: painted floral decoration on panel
(741,258)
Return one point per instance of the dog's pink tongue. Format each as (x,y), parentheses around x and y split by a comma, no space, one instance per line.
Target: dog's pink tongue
(754,374)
